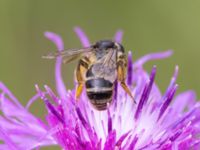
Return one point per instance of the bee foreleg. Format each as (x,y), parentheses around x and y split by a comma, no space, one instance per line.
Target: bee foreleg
(80,75)
(121,75)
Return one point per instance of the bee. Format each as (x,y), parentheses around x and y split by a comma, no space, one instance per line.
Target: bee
(100,65)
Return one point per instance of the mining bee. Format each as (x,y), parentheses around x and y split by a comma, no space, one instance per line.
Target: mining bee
(100,65)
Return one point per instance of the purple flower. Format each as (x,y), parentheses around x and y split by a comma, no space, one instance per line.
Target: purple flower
(155,122)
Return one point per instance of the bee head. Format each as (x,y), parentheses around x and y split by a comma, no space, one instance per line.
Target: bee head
(108,44)
(104,44)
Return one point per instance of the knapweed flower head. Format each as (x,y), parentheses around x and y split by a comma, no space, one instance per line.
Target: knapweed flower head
(157,121)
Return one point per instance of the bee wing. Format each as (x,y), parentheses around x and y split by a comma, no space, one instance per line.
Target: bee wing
(107,65)
(109,59)
(69,55)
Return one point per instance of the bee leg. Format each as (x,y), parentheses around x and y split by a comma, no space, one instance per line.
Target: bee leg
(79,90)
(121,75)
(80,74)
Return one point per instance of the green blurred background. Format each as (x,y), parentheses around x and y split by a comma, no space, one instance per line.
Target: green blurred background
(149,26)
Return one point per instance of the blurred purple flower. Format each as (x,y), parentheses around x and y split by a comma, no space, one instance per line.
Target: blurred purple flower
(155,122)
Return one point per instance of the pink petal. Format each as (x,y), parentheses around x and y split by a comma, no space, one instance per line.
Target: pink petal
(184,100)
(8,92)
(153,56)
(57,40)
(82,37)
(118,36)
(32,100)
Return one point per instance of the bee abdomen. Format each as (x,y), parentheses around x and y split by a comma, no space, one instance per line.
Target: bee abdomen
(100,99)
(99,91)
(98,83)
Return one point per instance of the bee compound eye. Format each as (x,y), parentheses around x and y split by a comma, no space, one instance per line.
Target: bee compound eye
(104,44)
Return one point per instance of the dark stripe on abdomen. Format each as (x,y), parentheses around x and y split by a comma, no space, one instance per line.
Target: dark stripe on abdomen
(100,99)
(98,83)
(99,96)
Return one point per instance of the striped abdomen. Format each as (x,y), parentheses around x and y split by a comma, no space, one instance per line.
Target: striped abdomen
(99,91)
